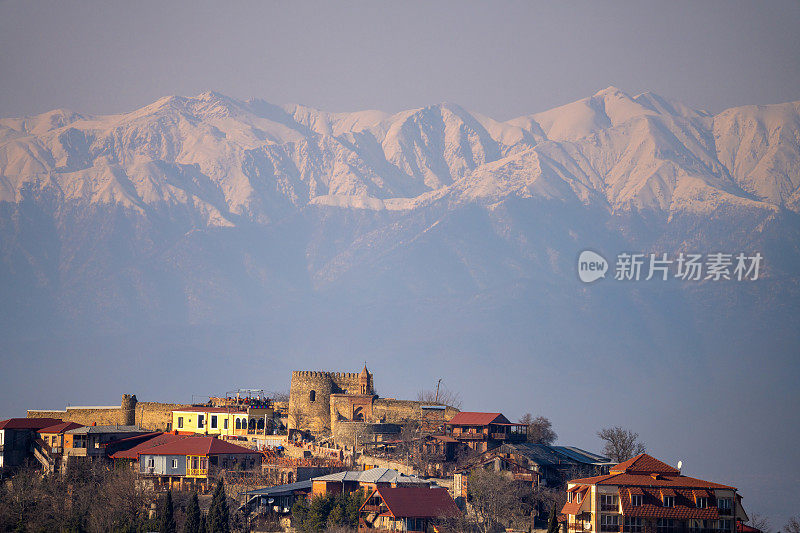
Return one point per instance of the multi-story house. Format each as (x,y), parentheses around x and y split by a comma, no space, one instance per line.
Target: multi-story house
(406,509)
(16,439)
(645,495)
(48,446)
(194,461)
(248,421)
(90,441)
(484,431)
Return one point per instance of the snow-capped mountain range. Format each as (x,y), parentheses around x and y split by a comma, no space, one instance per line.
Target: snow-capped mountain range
(202,209)
(228,161)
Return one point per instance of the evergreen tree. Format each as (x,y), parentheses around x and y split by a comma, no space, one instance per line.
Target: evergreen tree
(192,523)
(552,524)
(166,516)
(218,514)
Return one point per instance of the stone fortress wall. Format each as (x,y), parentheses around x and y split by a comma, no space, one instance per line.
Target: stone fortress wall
(343,404)
(310,397)
(148,415)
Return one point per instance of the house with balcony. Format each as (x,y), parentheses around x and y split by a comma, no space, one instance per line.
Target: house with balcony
(406,509)
(16,439)
(91,441)
(645,495)
(48,446)
(193,461)
(245,421)
(484,431)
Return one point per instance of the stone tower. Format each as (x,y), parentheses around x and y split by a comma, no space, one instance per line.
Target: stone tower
(310,396)
(128,410)
(365,381)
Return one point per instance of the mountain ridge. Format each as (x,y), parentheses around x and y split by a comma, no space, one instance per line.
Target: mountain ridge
(256,160)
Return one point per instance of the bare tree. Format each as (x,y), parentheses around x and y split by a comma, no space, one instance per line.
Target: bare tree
(793,525)
(445,397)
(760,522)
(540,429)
(620,444)
(296,418)
(498,501)
(280,396)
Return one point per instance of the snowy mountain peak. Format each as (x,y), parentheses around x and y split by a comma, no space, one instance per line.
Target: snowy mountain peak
(227,160)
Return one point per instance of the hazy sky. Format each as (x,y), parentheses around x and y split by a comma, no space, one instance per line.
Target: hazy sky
(502,59)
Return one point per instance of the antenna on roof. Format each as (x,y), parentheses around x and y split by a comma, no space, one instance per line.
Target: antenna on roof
(680,464)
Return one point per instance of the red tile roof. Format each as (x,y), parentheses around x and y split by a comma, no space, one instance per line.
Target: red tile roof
(467,418)
(200,445)
(652,506)
(644,464)
(662,481)
(29,423)
(61,427)
(635,477)
(574,506)
(155,440)
(418,502)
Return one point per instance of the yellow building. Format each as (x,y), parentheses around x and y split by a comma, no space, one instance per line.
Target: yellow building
(246,422)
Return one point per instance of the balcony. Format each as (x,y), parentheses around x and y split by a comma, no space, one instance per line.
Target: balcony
(498,436)
(373,508)
(470,436)
(196,472)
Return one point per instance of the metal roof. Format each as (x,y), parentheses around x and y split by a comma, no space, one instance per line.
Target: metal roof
(582,456)
(541,454)
(107,429)
(373,475)
(545,455)
(280,490)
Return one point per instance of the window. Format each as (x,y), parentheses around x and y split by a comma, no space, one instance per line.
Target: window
(669,501)
(260,423)
(312,396)
(609,522)
(633,524)
(578,497)
(636,500)
(225,424)
(702,502)
(609,502)
(725,525)
(569,497)
(238,423)
(213,421)
(725,505)
(174,463)
(150,463)
(665,525)
(180,422)
(200,421)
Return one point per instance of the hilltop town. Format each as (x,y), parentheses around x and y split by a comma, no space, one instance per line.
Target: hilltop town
(336,455)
